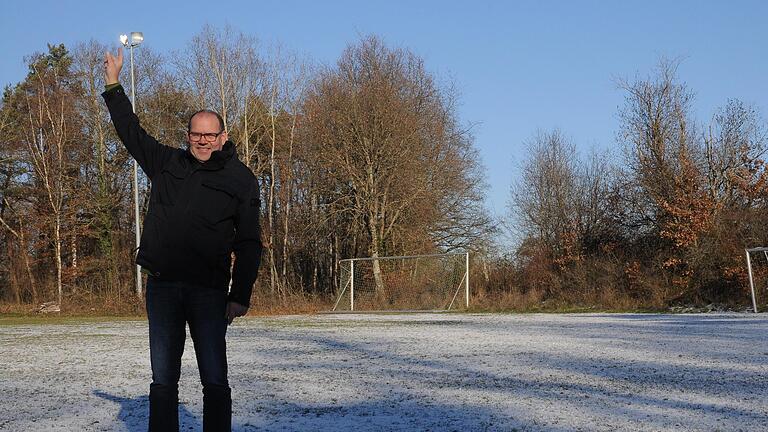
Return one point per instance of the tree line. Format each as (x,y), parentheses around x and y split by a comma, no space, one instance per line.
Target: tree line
(365,157)
(368,157)
(663,220)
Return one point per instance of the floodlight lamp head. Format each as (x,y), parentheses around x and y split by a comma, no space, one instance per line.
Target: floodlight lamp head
(137,38)
(124,40)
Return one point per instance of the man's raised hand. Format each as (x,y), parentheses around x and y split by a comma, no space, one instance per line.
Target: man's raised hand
(112,66)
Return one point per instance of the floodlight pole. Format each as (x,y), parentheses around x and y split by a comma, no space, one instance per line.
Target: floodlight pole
(136,39)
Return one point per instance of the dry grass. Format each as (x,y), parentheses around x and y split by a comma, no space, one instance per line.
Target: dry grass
(131,305)
(291,304)
(535,300)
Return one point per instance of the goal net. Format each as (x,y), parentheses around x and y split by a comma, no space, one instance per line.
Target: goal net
(437,282)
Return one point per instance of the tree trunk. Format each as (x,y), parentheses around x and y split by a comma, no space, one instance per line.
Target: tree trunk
(15,286)
(335,284)
(57,246)
(287,186)
(270,212)
(24,252)
(374,249)
(73,249)
(246,133)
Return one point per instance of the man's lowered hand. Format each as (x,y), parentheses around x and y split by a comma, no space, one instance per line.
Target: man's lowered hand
(235,310)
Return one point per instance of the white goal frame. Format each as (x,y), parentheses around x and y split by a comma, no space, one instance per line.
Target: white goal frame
(350,262)
(764,250)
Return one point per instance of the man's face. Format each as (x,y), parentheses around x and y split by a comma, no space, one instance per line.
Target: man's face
(205,136)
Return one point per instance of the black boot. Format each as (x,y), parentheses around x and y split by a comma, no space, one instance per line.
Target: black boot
(217,408)
(163,408)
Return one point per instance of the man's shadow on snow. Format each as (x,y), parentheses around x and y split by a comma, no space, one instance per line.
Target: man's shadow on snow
(134,412)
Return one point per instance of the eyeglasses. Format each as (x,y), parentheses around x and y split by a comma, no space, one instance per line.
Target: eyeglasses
(209,137)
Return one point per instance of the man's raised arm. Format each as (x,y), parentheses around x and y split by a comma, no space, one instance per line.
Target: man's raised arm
(143,147)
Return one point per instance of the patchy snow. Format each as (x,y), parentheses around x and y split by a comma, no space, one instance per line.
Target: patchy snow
(442,372)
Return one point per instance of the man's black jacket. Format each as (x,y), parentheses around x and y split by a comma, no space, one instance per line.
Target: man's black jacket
(198,212)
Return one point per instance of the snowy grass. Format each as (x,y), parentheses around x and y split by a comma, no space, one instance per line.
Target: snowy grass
(14,320)
(442,372)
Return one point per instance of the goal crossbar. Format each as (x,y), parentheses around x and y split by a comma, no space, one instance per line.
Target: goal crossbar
(405,257)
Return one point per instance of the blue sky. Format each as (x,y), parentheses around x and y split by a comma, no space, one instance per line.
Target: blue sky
(520,66)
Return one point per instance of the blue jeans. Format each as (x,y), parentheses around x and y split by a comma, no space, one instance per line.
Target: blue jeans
(170,306)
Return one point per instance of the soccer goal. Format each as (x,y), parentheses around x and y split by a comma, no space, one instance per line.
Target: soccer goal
(764,250)
(438,282)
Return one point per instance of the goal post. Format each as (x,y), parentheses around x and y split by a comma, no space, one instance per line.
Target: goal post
(748,251)
(435,282)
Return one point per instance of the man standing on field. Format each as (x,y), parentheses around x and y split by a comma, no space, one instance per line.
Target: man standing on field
(204,205)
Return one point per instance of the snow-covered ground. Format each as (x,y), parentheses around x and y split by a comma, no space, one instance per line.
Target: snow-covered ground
(443,372)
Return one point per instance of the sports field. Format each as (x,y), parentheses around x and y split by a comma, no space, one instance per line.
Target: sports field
(436,372)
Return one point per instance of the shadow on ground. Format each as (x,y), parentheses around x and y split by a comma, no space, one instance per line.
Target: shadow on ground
(669,384)
(134,413)
(289,416)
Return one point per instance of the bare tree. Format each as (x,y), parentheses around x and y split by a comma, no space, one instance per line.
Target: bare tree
(658,136)
(218,67)
(666,159)
(383,130)
(735,145)
(47,129)
(23,248)
(545,200)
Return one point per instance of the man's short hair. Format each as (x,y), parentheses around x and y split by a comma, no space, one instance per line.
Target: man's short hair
(206,111)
